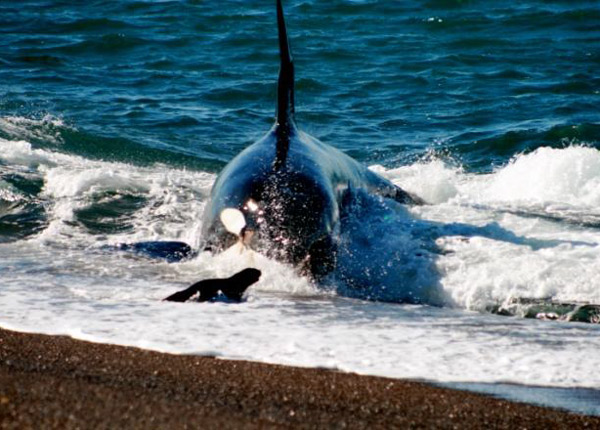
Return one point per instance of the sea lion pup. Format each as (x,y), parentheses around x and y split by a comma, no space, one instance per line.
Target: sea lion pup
(233,288)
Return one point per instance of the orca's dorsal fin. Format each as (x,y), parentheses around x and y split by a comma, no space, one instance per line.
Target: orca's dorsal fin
(285,86)
(285,124)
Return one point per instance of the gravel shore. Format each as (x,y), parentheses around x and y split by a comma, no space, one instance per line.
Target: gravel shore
(58,382)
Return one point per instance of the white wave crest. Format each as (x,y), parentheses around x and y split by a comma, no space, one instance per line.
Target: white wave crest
(570,175)
(175,198)
(529,229)
(46,128)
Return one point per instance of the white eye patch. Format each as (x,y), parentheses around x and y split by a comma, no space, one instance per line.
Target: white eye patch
(233,220)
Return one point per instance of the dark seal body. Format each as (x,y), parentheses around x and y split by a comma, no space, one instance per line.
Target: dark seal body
(233,287)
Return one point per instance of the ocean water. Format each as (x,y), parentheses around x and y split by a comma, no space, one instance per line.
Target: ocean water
(115,118)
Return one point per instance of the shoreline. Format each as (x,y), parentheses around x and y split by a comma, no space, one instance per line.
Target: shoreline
(59,382)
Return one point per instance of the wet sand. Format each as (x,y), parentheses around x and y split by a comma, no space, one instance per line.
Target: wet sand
(57,382)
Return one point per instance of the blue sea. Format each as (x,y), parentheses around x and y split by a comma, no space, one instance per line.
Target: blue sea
(116,117)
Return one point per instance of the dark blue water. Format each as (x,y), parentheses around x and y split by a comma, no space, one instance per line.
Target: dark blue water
(191,83)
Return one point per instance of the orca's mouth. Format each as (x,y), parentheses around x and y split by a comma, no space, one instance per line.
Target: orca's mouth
(315,257)
(241,226)
(253,231)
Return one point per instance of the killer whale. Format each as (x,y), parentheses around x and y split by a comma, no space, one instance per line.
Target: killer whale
(288,188)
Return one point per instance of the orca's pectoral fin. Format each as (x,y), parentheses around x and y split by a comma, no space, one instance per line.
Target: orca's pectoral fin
(171,251)
(385,188)
(407,198)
